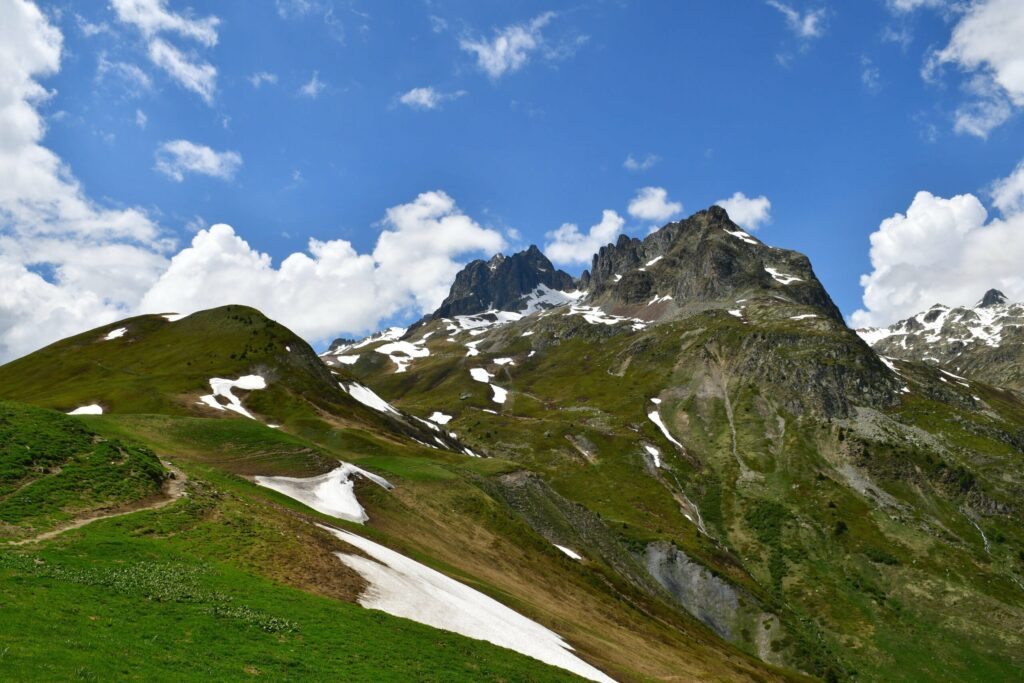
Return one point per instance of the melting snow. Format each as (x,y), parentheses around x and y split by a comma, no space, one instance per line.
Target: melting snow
(782,277)
(659,299)
(173,317)
(401,353)
(653,261)
(347,360)
(655,417)
(223,388)
(332,493)
(440,418)
(805,316)
(504,361)
(91,409)
(568,551)
(115,334)
(741,235)
(473,351)
(405,588)
(499,394)
(595,316)
(480,375)
(738,312)
(369,399)
(543,297)
(655,453)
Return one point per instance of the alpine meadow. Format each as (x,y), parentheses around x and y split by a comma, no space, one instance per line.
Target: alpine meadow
(527,341)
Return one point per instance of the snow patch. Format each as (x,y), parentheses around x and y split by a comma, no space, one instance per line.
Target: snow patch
(741,235)
(504,361)
(173,317)
(782,277)
(655,453)
(347,360)
(369,399)
(401,353)
(332,493)
(440,418)
(403,587)
(595,316)
(115,334)
(655,417)
(223,388)
(805,316)
(653,261)
(480,375)
(91,409)
(499,394)
(568,551)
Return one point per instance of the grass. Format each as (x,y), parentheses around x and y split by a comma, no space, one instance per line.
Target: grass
(53,468)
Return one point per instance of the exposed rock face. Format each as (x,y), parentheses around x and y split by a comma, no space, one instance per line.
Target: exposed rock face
(705,261)
(502,283)
(984,342)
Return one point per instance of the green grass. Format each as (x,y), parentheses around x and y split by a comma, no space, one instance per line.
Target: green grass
(54,468)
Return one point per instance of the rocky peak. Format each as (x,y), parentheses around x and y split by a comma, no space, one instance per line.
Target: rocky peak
(503,283)
(993,297)
(705,261)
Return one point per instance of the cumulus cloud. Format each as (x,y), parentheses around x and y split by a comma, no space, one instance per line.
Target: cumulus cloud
(652,204)
(945,251)
(748,212)
(313,87)
(428,98)
(175,158)
(806,25)
(988,44)
(510,48)
(153,20)
(95,259)
(569,246)
(642,164)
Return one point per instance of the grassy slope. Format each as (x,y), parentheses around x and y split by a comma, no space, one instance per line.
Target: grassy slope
(53,469)
(867,590)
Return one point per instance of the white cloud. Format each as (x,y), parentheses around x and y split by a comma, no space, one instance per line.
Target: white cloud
(175,158)
(652,204)
(141,119)
(153,19)
(438,24)
(92,257)
(988,44)
(945,251)
(428,97)
(510,48)
(870,75)
(313,87)
(642,164)
(568,245)
(90,29)
(806,25)
(903,6)
(294,8)
(260,77)
(748,212)
(1008,192)
(134,80)
(332,289)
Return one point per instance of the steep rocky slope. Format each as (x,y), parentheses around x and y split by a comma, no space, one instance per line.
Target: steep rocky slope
(703,424)
(984,341)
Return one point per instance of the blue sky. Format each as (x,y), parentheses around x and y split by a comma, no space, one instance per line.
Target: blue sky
(827,109)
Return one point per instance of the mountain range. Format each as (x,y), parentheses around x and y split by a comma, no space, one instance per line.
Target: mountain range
(682,465)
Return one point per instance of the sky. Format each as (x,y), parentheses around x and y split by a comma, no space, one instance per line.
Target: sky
(335,162)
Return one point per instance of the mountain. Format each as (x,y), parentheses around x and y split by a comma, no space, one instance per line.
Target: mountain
(984,341)
(703,424)
(504,283)
(689,469)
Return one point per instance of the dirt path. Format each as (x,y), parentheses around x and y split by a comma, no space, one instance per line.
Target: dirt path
(173,490)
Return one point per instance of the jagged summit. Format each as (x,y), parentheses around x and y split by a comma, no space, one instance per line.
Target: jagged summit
(985,341)
(993,297)
(503,283)
(705,261)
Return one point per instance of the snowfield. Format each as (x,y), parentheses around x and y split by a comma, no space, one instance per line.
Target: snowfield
(402,353)
(369,399)
(405,588)
(332,493)
(499,394)
(223,388)
(91,409)
(440,418)
(115,334)
(569,551)
(480,375)
(655,417)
